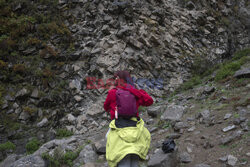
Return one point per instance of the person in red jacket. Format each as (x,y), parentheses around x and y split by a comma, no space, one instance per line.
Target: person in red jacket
(142,98)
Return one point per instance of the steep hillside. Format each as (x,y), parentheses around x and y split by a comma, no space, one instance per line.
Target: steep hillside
(208,119)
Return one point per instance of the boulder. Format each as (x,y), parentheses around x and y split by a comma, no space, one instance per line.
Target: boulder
(243,73)
(24,116)
(180,125)
(71,119)
(43,123)
(21,93)
(202,165)
(100,147)
(159,159)
(95,109)
(232,136)
(86,155)
(29,161)
(9,160)
(185,157)
(190,5)
(154,111)
(231,160)
(173,113)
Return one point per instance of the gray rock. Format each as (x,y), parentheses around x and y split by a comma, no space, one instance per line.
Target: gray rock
(202,165)
(205,114)
(185,157)
(180,125)
(24,116)
(71,118)
(80,121)
(75,56)
(78,98)
(228,128)
(21,93)
(190,5)
(9,160)
(205,117)
(100,147)
(154,111)
(43,123)
(9,98)
(86,155)
(159,159)
(95,109)
(153,129)
(5,104)
(135,43)
(124,31)
(108,61)
(15,105)
(29,50)
(227,116)
(243,73)
(17,7)
(231,137)
(238,121)
(223,159)
(2,128)
(29,161)
(231,160)
(35,93)
(173,113)
(75,84)
(208,144)
(191,129)
(244,126)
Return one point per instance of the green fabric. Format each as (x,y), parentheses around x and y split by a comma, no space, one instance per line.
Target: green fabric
(129,140)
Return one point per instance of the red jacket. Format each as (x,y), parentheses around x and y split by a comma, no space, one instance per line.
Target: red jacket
(142,99)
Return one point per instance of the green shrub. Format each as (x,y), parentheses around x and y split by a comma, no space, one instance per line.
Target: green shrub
(141,109)
(69,157)
(29,110)
(52,161)
(32,146)
(60,133)
(60,159)
(163,124)
(201,65)
(196,80)
(241,53)
(7,146)
(227,70)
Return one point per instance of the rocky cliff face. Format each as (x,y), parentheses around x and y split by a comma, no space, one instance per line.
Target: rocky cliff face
(58,44)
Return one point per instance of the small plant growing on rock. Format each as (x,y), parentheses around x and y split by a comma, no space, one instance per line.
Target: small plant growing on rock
(142,109)
(227,70)
(7,146)
(196,80)
(61,133)
(60,158)
(32,146)
(29,110)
